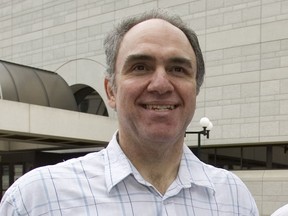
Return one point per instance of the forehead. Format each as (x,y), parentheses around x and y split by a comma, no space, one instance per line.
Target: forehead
(155,28)
(155,35)
(156,38)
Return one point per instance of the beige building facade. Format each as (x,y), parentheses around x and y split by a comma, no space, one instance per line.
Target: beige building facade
(245,92)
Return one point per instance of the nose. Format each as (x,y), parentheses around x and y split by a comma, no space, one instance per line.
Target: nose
(160,82)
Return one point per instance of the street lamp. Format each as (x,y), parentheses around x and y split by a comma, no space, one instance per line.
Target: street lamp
(207,126)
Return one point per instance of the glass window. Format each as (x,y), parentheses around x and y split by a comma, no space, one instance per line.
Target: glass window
(280,157)
(18,171)
(5,178)
(89,101)
(246,157)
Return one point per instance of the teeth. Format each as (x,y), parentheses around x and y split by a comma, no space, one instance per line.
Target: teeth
(160,107)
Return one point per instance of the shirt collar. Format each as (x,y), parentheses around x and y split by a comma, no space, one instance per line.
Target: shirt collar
(194,171)
(117,167)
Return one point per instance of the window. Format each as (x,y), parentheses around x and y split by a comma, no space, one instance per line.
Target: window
(9,174)
(246,157)
(89,101)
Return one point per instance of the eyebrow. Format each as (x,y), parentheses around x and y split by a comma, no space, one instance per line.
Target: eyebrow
(137,57)
(181,60)
(174,60)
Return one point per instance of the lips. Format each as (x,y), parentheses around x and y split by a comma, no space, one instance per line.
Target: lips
(158,107)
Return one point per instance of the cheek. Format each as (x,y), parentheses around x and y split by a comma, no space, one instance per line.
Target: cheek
(188,89)
(191,106)
(124,96)
(189,98)
(131,88)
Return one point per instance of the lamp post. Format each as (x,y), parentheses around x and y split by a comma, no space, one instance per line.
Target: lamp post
(207,126)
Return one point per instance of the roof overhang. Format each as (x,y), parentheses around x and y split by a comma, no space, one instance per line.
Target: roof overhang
(27,126)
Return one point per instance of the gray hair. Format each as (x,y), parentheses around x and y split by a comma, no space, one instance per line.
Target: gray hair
(114,38)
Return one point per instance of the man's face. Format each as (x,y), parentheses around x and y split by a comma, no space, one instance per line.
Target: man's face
(155,83)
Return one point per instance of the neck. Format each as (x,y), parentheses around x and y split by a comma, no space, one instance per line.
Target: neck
(158,166)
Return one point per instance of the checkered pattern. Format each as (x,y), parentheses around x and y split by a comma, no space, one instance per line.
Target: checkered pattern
(106,183)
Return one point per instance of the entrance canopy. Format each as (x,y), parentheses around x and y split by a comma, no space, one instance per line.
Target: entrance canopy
(35,86)
(43,118)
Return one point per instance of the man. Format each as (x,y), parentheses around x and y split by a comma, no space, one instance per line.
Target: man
(155,70)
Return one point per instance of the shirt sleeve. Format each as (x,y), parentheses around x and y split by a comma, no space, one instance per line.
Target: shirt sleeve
(8,205)
(244,196)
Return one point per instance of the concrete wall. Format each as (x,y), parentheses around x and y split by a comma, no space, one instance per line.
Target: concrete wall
(245,44)
(269,188)
(42,125)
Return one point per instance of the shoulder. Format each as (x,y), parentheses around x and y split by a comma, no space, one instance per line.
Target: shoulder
(231,188)
(226,190)
(218,179)
(200,170)
(220,174)
(225,179)
(48,181)
(66,169)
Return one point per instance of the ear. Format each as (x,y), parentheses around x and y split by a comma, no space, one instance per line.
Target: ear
(110,94)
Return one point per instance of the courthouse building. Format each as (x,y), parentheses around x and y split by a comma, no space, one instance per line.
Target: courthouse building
(53,104)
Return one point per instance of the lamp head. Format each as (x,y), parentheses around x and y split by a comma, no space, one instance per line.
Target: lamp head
(210,126)
(204,122)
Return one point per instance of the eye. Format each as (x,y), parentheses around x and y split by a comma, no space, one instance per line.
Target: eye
(178,69)
(140,68)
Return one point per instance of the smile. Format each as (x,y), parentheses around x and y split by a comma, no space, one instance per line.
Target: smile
(160,107)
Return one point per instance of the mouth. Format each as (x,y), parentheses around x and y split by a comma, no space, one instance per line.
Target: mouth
(159,107)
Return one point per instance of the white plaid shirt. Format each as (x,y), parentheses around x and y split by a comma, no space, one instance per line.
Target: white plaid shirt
(106,183)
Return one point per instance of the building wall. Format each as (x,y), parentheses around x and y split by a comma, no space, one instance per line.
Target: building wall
(245,45)
(269,188)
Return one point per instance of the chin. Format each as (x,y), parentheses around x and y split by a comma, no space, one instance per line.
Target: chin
(163,137)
